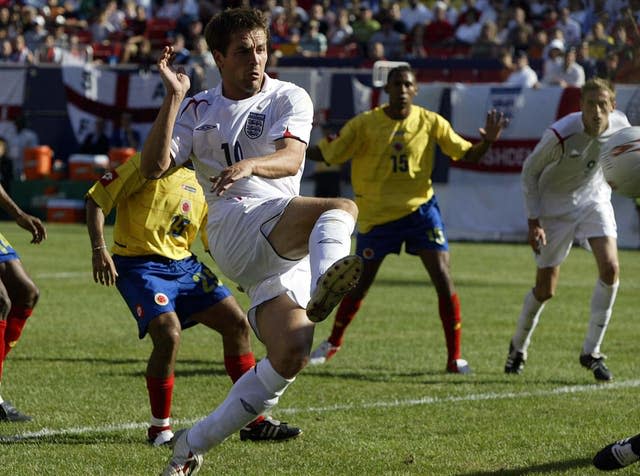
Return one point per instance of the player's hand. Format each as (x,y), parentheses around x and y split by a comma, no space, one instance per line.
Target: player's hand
(537,237)
(227,177)
(495,122)
(34,226)
(175,80)
(104,271)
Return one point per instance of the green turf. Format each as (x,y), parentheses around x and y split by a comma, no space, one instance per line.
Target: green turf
(382,406)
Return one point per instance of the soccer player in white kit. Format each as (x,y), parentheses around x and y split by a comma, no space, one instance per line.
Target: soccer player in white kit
(247,139)
(567,199)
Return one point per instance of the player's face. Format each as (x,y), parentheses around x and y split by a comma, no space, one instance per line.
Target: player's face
(401,88)
(596,105)
(242,68)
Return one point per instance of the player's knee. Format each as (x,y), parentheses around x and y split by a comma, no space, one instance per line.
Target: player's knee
(5,305)
(32,294)
(347,205)
(294,359)
(610,273)
(543,295)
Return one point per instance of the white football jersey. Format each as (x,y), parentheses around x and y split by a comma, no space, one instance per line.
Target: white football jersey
(219,131)
(563,172)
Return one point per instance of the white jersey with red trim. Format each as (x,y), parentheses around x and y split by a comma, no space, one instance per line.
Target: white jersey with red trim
(563,173)
(219,132)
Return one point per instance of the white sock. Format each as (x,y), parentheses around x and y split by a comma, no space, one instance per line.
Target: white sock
(160,421)
(602,301)
(330,240)
(253,394)
(527,322)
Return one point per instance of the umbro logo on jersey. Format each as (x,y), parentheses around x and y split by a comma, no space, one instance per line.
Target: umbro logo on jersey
(109,177)
(206,127)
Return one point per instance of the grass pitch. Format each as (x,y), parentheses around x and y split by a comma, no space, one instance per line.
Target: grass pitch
(382,406)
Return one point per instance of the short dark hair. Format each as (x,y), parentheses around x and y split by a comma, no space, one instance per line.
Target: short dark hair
(224,24)
(399,70)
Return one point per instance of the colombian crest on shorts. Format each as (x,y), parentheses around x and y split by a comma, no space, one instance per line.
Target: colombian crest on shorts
(255,125)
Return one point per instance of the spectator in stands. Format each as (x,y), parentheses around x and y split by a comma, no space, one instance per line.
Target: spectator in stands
(124,135)
(570,27)
(609,67)
(487,45)
(180,50)
(102,28)
(96,142)
(23,138)
(312,42)
(21,54)
(6,51)
(554,61)
(468,7)
(317,13)
(392,42)
(523,75)
(60,36)
(137,24)
(35,36)
(169,9)
(49,52)
(440,30)
(415,13)
(584,59)
(140,53)
(468,31)
(343,31)
(571,74)
(364,27)
(599,41)
(395,13)
(200,60)
(279,28)
(621,42)
(538,45)
(515,24)
(77,51)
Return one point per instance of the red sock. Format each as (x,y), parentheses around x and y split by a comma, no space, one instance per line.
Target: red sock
(237,365)
(346,313)
(160,393)
(451,323)
(16,320)
(3,326)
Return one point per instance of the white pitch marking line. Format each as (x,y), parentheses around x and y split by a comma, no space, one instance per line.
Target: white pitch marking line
(47,433)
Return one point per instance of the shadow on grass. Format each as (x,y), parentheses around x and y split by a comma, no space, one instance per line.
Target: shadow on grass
(545,468)
(74,439)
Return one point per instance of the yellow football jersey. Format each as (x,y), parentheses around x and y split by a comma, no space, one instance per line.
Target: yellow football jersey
(160,217)
(392,160)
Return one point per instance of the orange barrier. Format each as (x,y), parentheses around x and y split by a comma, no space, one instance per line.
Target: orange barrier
(87,166)
(119,155)
(64,210)
(37,162)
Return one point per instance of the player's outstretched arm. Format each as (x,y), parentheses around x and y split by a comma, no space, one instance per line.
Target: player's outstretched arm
(28,222)
(490,133)
(156,156)
(104,270)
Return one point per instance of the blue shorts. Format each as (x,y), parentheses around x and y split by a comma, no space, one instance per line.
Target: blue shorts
(7,253)
(153,285)
(420,230)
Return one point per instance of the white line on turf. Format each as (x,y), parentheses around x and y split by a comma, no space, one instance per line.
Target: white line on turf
(48,433)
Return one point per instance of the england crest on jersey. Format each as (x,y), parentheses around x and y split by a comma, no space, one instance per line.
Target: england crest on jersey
(255,125)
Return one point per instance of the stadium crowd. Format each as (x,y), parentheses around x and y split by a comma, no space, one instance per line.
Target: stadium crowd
(568,41)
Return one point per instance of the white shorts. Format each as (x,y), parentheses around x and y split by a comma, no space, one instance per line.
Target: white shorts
(595,221)
(237,231)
